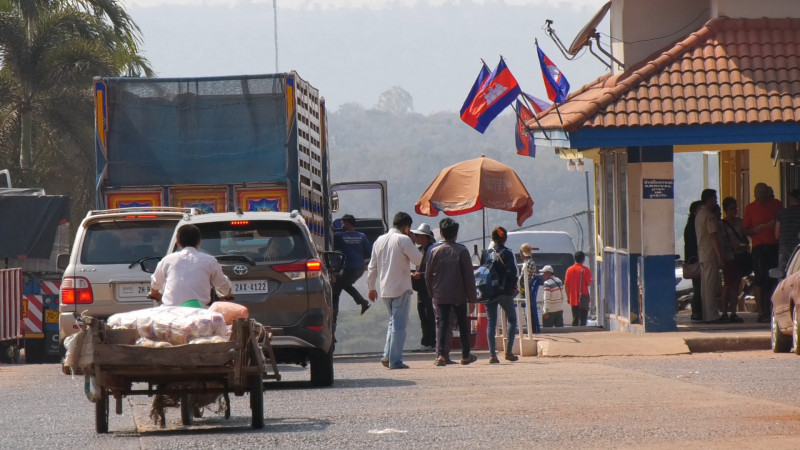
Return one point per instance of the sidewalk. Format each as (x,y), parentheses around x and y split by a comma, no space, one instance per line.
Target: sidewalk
(691,337)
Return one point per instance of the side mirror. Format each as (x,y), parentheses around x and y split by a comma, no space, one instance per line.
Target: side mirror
(62,260)
(776,273)
(335,202)
(149,264)
(334,261)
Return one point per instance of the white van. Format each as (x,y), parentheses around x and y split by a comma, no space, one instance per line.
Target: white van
(554,248)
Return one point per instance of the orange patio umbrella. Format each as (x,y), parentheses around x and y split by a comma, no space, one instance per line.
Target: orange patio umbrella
(474,185)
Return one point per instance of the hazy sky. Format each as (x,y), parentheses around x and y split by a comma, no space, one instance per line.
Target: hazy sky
(353,50)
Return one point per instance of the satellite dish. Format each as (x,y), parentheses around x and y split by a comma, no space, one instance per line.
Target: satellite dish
(588,31)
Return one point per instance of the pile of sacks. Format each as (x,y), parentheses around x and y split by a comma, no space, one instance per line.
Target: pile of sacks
(165,326)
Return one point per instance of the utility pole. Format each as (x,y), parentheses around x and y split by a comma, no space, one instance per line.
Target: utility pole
(592,240)
(275,16)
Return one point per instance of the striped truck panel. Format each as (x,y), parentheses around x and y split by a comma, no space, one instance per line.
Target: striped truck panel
(32,322)
(36,304)
(10,304)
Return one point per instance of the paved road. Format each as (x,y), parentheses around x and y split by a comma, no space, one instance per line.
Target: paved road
(713,401)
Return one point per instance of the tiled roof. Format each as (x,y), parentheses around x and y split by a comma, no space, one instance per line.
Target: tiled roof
(731,71)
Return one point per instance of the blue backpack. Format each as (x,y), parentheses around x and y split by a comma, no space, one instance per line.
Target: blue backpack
(490,276)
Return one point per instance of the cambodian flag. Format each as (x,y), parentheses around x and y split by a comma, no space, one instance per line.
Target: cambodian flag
(482,76)
(538,105)
(522,136)
(493,96)
(554,81)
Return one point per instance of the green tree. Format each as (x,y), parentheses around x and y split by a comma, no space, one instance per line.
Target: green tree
(49,52)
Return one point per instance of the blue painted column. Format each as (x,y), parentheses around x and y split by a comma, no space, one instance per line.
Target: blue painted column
(652,237)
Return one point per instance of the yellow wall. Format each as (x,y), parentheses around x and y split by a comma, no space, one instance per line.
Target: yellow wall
(739,173)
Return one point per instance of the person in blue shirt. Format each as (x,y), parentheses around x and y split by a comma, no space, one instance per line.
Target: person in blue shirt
(357,250)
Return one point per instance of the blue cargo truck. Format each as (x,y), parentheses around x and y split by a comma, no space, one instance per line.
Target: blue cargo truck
(250,143)
(35,228)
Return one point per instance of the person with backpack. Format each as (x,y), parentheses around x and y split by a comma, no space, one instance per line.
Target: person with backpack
(503,269)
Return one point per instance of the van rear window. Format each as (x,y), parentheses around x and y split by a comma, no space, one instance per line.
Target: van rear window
(123,242)
(261,241)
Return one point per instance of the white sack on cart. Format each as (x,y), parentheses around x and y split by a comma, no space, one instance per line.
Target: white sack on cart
(174,324)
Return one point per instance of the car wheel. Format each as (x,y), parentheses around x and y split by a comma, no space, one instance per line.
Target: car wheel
(780,342)
(321,368)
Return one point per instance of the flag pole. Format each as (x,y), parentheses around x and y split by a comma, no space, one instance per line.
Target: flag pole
(535,117)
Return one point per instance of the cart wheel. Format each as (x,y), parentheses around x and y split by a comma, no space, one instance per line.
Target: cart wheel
(186,409)
(227,405)
(256,388)
(101,412)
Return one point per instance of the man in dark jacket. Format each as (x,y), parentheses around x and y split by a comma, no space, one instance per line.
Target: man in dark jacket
(451,284)
(356,249)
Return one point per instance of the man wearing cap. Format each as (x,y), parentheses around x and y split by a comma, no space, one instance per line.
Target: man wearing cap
(529,282)
(553,309)
(356,249)
(787,228)
(424,238)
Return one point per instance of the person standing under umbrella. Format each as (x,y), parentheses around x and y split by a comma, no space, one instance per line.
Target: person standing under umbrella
(505,298)
(451,285)
(423,236)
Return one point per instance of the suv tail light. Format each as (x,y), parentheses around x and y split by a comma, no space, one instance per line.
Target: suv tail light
(76,290)
(311,268)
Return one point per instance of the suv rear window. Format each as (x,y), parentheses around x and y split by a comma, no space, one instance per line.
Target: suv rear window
(261,241)
(123,242)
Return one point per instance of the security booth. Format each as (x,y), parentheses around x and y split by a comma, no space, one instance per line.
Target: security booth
(728,88)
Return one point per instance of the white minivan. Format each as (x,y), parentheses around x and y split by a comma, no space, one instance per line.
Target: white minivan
(104,275)
(553,248)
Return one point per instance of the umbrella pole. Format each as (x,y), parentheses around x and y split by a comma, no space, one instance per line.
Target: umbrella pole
(483,224)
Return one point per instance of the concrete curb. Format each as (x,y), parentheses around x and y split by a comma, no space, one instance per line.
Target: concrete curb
(728,343)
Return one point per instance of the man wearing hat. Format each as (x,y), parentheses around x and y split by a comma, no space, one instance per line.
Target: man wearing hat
(533,280)
(356,249)
(553,310)
(423,236)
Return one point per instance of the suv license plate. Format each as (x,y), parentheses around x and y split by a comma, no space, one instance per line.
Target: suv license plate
(249,287)
(132,290)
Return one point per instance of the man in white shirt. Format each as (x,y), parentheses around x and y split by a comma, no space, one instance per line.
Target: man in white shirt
(390,272)
(188,274)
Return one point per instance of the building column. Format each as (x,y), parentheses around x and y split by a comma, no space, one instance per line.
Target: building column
(652,236)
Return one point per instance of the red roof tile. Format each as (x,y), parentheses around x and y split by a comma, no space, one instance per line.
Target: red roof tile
(731,71)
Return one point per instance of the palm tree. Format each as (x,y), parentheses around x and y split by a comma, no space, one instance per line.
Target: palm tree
(49,51)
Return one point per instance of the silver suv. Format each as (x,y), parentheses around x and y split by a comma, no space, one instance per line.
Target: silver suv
(104,274)
(276,272)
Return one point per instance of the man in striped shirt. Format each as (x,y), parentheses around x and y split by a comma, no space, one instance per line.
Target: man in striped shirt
(553,309)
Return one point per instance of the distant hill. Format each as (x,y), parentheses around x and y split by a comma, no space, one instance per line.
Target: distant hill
(409,149)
